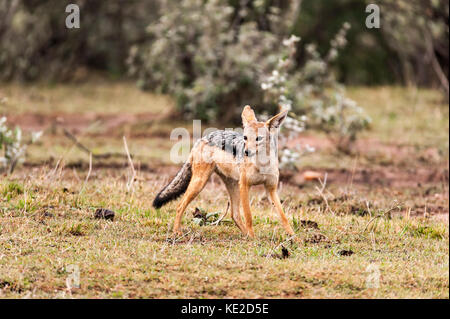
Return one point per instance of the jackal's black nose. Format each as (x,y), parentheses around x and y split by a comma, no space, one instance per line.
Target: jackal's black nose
(246,153)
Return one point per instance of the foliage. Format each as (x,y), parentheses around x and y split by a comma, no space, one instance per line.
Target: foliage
(275,87)
(418,32)
(324,97)
(312,92)
(212,66)
(204,56)
(35,43)
(12,145)
(203,218)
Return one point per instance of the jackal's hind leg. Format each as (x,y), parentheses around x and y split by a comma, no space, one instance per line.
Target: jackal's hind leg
(233,190)
(200,175)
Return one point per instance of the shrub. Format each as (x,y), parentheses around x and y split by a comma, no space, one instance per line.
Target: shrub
(206,57)
(13,147)
(313,97)
(213,59)
(35,43)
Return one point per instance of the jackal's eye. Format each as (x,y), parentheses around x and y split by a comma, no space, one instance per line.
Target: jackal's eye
(259,138)
(245,138)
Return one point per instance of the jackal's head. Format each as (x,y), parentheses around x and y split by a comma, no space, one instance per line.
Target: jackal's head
(261,137)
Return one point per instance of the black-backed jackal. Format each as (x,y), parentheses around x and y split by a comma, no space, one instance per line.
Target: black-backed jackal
(241,160)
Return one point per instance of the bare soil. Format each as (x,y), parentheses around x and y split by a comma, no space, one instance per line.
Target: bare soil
(408,168)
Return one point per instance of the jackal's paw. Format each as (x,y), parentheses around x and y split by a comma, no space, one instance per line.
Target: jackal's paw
(177,233)
(251,234)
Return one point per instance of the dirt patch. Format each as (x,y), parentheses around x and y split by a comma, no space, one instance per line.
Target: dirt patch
(316,239)
(78,123)
(4,284)
(380,176)
(112,165)
(361,145)
(309,224)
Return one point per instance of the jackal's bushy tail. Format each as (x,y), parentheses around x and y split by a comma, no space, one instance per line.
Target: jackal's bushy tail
(176,187)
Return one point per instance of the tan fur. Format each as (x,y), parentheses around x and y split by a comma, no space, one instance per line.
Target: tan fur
(238,176)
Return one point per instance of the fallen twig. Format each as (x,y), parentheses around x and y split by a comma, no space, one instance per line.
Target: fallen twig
(88,175)
(221,217)
(320,190)
(133,171)
(87,150)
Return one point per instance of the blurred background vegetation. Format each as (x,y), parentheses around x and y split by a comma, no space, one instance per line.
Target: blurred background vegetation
(368,106)
(214,56)
(410,48)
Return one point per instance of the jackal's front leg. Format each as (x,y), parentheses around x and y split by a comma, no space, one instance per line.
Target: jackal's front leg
(273,193)
(243,190)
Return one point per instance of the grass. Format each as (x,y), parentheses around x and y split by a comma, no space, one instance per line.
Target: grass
(47,228)
(416,117)
(397,229)
(91,97)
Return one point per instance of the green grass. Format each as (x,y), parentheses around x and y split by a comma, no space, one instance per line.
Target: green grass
(47,210)
(91,97)
(417,117)
(46,228)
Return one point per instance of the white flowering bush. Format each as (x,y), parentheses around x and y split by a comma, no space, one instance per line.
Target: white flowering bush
(12,146)
(323,98)
(275,87)
(314,97)
(214,58)
(208,55)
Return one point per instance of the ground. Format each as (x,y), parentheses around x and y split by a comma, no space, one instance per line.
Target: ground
(377,229)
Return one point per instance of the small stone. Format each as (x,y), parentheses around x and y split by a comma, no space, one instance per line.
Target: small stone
(346,252)
(48,214)
(104,214)
(284,252)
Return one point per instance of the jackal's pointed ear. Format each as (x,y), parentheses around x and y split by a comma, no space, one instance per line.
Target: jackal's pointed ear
(248,115)
(276,121)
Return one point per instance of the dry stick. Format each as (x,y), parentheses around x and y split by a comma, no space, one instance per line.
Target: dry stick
(75,174)
(86,180)
(178,238)
(222,217)
(56,167)
(87,150)
(371,220)
(378,216)
(133,171)
(320,190)
(74,139)
(88,175)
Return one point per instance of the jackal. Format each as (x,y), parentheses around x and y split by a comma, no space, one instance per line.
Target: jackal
(241,160)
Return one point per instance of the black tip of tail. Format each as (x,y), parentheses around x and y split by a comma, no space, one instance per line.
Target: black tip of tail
(175,188)
(158,202)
